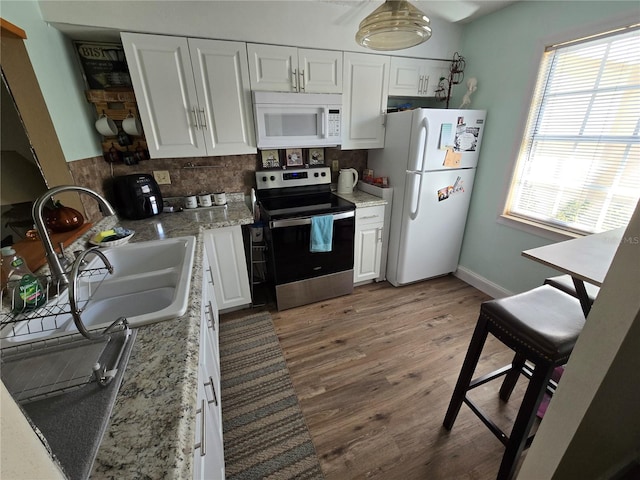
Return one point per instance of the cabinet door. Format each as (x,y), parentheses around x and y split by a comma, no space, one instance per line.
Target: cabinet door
(368,253)
(273,68)
(208,456)
(368,243)
(224,96)
(364,101)
(407,77)
(412,77)
(433,71)
(319,71)
(225,249)
(162,78)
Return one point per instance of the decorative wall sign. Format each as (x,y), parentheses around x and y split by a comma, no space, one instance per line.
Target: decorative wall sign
(316,156)
(294,157)
(103,65)
(270,158)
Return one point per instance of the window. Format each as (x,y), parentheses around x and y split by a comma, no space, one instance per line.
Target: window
(578,168)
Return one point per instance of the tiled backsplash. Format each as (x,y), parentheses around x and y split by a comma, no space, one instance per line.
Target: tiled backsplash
(234,173)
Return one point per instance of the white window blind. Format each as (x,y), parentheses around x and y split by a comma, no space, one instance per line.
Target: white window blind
(579,163)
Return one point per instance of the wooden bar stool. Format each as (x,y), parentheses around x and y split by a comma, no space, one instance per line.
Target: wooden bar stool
(565,283)
(541,326)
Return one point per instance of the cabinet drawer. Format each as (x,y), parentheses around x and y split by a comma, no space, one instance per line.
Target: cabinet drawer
(367,215)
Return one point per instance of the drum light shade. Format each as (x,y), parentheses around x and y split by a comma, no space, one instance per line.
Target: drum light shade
(394,25)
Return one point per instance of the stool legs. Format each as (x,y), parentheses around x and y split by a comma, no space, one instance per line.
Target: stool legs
(512,376)
(466,373)
(524,421)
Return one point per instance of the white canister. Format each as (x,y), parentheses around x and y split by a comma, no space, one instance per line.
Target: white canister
(220,198)
(204,199)
(190,201)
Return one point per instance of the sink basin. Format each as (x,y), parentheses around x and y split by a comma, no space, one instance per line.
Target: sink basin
(150,283)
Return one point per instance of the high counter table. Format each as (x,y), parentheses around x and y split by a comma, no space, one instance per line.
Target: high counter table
(586,259)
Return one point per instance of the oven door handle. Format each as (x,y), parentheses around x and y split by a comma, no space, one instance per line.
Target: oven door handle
(294,222)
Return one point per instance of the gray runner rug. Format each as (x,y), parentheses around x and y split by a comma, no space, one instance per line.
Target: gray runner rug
(265,435)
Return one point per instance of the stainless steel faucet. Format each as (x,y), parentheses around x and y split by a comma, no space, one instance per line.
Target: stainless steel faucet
(56,263)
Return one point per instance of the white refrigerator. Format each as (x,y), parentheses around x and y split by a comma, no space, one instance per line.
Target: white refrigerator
(430,158)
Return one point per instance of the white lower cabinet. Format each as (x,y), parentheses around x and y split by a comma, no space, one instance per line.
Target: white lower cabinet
(227,260)
(208,455)
(368,243)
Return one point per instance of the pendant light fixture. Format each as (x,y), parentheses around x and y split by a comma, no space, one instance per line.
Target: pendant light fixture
(394,25)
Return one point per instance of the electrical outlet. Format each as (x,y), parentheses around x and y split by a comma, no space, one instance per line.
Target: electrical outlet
(162,177)
(335,165)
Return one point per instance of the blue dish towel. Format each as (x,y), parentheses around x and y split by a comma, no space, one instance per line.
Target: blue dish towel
(321,233)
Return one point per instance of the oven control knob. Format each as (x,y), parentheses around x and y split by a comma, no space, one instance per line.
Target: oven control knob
(264,179)
(272,178)
(324,174)
(315,174)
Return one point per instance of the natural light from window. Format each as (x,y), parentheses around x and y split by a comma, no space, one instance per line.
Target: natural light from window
(579,164)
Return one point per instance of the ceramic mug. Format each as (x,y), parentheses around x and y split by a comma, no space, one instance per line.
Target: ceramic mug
(204,199)
(220,198)
(132,126)
(190,201)
(106,126)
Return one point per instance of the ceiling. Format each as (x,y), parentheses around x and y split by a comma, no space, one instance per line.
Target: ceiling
(460,11)
(346,12)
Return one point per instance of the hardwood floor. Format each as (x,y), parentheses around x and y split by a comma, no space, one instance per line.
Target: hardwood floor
(374,372)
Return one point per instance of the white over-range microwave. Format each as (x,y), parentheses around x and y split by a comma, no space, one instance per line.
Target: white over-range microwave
(285,120)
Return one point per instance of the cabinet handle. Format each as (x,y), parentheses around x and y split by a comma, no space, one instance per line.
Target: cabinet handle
(420,84)
(379,235)
(203,434)
(195,116)
(204,118)
(212,325)
(384,119)
(425,85)
(367,217)
(213,391)
(301,82)
(210,276)
(294,80)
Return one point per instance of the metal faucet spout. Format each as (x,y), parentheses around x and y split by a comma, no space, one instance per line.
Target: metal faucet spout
(57,270)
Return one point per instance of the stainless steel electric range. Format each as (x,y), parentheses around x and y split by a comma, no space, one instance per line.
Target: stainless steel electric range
(288,200)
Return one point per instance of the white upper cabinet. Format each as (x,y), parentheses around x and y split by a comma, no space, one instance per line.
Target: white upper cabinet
(289,69)
(364,100)
(193,95)
(413,77)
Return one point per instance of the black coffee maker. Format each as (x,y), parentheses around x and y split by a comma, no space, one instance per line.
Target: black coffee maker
(136,196)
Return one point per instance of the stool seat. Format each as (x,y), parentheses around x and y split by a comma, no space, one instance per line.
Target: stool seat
(565,283)
(543,320)
(541,326)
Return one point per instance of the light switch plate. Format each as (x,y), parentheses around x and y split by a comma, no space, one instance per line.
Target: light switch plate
(162,177)
(335,165)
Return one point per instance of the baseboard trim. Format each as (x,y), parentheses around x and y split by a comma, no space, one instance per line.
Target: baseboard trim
(472,278)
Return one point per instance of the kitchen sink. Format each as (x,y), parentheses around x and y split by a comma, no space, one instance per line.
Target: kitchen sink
(150,283)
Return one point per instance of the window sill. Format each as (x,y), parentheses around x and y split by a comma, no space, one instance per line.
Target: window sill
(535,228)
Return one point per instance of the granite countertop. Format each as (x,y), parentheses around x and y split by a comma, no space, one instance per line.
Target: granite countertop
(151,432)
(362,199)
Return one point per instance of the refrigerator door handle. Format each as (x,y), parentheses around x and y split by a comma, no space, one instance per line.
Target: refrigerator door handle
(424,125)
(413,214)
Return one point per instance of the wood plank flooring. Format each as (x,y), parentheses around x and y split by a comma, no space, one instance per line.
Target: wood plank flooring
(374,372)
